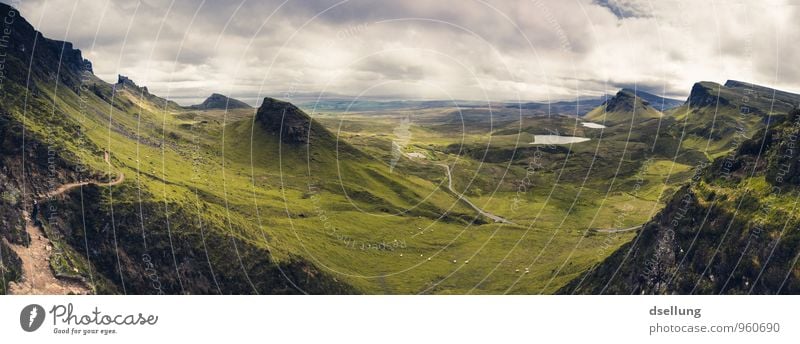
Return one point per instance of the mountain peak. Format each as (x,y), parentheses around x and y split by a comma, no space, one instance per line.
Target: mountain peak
(736,83)
(219,101)
(743,96)
(625,100)
(625,106)
(284,118)
(125,81)
(22,42)
(705,93)
(658,102)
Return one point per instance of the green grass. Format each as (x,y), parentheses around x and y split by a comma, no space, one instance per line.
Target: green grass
(378,230)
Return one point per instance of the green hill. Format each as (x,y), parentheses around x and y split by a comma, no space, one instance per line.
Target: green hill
(221,198)
(213,202)
(218,101)
(717,118)
(730,230)
(624,108)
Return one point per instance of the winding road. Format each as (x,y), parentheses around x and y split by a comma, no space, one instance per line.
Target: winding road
(38,278)
(494,217)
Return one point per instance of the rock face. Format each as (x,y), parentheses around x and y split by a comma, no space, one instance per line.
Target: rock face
(705,94)
(24,166)
(34,164)
(124,81)
(624,101)
(283,118)
(218,101)
(718,234)
(20,57)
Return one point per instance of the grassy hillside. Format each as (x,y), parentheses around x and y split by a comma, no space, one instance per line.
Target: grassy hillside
(717,118)
(221,199)
(241,201)
(624,108)
(729,231)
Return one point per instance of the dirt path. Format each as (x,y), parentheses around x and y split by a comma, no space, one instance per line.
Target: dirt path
(618,230)
(494,217)
(38,277)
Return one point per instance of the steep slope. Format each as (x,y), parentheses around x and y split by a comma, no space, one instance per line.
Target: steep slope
(208,205)
(732,230)
(142,236)
(220,102)
(624,108)
(289,123)
(717,118)
(766,98)
(136,92)
(659,103)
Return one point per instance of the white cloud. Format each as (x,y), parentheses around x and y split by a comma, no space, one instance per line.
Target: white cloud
(516,49)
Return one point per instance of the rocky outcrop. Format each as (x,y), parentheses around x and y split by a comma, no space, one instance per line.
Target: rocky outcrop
(29,168)
(624,101)
(721,233)
(706,94)
(125,83)
(22,61)
(85,238)
(286,120)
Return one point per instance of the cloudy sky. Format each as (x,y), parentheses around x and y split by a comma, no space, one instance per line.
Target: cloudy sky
(421,49)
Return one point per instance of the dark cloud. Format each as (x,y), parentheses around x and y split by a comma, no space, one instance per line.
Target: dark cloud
(624,9)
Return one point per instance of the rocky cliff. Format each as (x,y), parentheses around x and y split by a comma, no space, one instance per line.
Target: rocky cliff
(286,120)
(731,230)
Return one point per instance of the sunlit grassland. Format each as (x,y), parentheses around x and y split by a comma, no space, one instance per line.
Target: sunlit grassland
(381,230)
(553,217)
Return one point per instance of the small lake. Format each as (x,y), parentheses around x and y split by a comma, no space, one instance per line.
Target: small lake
(556,139)
(592,125)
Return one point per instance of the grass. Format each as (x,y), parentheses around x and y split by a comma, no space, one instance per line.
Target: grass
(378,230)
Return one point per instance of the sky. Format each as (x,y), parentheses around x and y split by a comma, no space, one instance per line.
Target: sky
(510,50)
